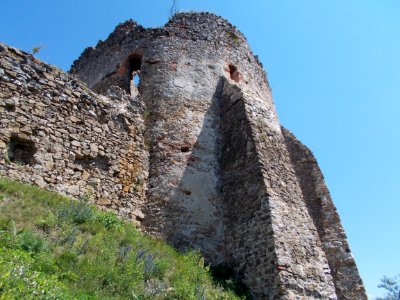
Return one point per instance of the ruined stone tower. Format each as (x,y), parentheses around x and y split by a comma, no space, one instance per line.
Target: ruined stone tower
(193,153)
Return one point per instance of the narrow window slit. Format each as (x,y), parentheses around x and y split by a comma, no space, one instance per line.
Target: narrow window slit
(134,66)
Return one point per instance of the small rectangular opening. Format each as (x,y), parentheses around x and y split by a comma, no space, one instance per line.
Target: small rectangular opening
(99,162)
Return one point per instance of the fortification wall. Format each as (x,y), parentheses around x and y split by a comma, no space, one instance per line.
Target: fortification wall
(319,203)
(194,154)
(200,195)
(56,133)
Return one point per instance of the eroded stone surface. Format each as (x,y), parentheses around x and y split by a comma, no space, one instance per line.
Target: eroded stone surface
(319,204)
(194,154)
(58,134)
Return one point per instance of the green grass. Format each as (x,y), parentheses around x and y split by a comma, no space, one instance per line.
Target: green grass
(52,247)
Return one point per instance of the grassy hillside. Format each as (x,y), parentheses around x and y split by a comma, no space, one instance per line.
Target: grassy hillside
(52,247)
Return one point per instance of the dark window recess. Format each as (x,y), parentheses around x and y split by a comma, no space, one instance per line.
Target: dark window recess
(135,62)
(234,73)
(134,66)
(98,162)
(21,151)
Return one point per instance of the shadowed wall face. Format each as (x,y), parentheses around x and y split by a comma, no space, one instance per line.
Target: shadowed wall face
(247,230)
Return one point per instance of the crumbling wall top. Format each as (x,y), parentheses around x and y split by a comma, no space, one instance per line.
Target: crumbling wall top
(199,26)
(204,26)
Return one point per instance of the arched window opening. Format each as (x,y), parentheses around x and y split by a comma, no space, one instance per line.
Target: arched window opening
(134,66)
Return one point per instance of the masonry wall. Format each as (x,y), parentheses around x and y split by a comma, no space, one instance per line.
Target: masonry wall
(56,133)
(270,236)
(326,219)
(184,201)
(181,72)
(250,245)
(194,154)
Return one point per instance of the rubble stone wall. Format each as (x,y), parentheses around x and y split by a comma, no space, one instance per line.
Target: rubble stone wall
(270,235)
(56,133)
(319,203)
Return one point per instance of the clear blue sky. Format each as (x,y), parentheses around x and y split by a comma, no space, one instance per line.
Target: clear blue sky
(334,68)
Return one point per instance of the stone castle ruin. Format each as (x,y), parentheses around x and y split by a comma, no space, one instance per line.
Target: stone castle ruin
(193,153)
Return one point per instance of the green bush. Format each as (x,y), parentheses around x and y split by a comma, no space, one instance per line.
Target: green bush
(76,212)
(30,241)
(18,280)
(109,220)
